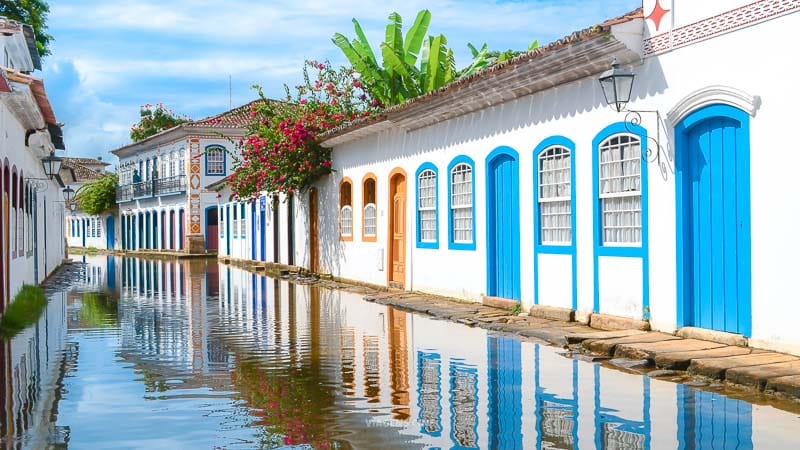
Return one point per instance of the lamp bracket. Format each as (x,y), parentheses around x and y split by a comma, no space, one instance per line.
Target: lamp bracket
(661,154)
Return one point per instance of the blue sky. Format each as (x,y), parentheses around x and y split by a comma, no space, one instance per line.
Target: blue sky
(111,57)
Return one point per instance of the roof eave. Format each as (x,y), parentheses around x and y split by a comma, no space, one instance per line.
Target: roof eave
(587,56)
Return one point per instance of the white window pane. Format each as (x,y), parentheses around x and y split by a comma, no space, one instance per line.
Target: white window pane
(370,221)
(427,205)
(620,189)
(461,203)
(346,224)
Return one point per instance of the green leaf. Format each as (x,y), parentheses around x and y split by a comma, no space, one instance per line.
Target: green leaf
(534,45)
(394,36)
(415,36)
(362,38)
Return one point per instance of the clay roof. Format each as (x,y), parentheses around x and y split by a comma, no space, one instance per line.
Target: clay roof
(492,85)
(89,161)
(37,88)
(81,172)
(235,119)
(238,117)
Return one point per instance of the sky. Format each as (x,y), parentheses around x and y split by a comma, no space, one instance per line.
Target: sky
(111,57)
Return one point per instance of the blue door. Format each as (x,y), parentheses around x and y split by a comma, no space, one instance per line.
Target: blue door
(83,232)
(110,232)
(253,231)
(713,182)
(502,224)
(263,220)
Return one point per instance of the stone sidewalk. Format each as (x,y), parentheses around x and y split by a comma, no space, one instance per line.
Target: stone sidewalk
(656,354)
(659,354)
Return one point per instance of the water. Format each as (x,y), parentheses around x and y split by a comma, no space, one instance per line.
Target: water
(167,354)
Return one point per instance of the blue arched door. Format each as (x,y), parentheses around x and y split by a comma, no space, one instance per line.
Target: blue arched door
(110,233)
(713,210)
(502,224)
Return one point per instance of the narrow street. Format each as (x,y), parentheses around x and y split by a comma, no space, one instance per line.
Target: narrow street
(239,360)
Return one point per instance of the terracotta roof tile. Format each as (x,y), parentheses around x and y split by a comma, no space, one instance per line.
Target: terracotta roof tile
(89,161)
(37,88)
(238,117)
(82,173)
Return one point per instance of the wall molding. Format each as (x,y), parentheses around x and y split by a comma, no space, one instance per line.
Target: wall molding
(711,95)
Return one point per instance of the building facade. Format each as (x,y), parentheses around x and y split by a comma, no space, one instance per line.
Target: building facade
(523,183)
(162,197)
(98,231)
(32,217)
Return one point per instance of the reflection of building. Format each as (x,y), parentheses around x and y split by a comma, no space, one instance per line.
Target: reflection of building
(31,363)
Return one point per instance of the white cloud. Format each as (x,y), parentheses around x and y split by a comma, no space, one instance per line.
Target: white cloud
(111,57)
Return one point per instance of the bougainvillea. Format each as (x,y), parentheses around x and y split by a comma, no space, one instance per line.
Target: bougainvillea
(154,119)
(280,153)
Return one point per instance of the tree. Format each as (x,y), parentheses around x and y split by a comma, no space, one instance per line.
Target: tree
(98,196)
(33,13)
(154,119)
(398,77)
(280,153)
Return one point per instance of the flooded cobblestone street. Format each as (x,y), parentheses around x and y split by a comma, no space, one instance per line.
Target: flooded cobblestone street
(195,354)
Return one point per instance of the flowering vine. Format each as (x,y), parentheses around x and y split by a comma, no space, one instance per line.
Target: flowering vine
(281,153)
(154,119)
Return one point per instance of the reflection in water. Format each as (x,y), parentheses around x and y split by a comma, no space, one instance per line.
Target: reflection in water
(192,354)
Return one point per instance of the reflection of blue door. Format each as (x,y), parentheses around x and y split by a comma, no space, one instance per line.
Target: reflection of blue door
(505,392)
(263,218)
(110,232)
(713,170)
(502,219)
(711,420)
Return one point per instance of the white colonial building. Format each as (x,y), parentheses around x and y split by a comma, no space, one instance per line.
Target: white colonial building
(32,217)
(99,231)
(524,182)
(162,197)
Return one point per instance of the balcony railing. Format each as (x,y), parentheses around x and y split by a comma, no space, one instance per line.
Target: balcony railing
(171,185)
(152,188)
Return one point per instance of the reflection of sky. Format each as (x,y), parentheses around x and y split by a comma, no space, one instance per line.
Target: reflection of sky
(105,394)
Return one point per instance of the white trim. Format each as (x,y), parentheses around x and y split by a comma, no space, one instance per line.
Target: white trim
(714,95)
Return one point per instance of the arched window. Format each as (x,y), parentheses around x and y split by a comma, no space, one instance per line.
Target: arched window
(554,196)
(173,161)
(182,161)
(427,205)
(462,213)
(215,160)
(370,225)
(620,190)
(346,210)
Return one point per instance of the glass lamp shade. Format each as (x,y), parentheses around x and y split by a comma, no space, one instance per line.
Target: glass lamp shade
(51,165)
(617,85)
(69,194)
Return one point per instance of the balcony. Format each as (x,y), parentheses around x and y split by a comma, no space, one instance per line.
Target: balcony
(153,188)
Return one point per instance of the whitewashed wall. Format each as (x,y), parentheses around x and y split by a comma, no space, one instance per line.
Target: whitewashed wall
(50,242)
(75,219)
(578,112)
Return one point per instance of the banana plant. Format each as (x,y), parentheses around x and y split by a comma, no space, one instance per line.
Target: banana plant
(398,77)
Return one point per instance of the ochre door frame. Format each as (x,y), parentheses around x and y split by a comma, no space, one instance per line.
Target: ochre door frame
(394,175)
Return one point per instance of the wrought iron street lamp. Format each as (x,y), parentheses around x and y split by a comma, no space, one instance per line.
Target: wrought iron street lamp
(69,194)
(617,84)
(52,165)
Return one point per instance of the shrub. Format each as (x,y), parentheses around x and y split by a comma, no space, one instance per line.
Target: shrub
(23,311)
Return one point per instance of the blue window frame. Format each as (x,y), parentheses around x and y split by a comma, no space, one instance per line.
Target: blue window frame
(607,138)
(461,203)
(427,206)
(215,160)
(554,199)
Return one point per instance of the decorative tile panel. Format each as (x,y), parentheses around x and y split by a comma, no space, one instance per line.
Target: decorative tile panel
(726,22)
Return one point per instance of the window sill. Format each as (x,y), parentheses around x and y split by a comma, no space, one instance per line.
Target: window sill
(428,245)
(555,249)
(621,251)
(461,246)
